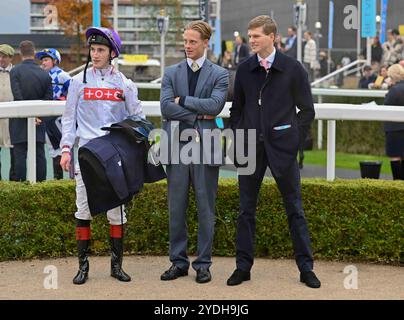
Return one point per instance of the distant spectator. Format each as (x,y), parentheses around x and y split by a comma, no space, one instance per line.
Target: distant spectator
(6,56)
(377,50)
(392,48)
(29,82)
(50,59)
(226,61)
(310,55)
(279,45)
(223,49)
(291,43)
(241,52)
(323,63)
(382,81)
(367,77)
(394,131)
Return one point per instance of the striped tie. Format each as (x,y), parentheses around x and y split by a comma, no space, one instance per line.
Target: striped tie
(264,63)
(194,66)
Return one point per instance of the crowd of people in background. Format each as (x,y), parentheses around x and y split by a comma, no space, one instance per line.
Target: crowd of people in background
(37,77)
(383,56)
(317,62)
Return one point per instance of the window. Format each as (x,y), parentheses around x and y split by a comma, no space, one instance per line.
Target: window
(37,8)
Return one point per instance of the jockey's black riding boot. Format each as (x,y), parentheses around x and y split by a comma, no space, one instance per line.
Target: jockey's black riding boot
(116,233)
(83,233)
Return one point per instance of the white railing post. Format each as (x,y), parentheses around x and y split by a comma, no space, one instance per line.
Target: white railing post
(31,154)
(331,129)
(320,128)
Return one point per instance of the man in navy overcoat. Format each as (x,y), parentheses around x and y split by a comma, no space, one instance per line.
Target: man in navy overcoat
(268,87)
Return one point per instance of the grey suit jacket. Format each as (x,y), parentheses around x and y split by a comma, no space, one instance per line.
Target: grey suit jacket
(209,99)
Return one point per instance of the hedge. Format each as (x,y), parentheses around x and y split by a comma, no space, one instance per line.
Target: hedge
(348,219)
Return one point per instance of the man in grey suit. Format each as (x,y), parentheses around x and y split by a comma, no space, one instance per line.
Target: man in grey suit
(193,93)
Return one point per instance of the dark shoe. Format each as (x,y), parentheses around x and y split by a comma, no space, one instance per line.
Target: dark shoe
(238,277)
(173,273)
(203,275)
(116,260)
(310,279)
(84,266)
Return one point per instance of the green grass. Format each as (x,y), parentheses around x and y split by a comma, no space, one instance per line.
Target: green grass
(314,157)
(344,160)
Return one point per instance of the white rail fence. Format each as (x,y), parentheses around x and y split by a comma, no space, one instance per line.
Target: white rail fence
(326,111)
(319,92)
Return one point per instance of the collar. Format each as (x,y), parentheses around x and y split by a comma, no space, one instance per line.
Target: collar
(31,61)
(6,69)
(103,72)
(279,62)
(199,61)
(270,58)
(54,69)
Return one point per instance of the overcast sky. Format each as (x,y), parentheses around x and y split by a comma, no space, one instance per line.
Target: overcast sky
(14,16)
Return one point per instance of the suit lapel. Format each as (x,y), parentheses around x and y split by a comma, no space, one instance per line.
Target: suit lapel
(203,76)
(182,79)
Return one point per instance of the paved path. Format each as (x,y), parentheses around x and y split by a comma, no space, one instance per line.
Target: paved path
(271,280)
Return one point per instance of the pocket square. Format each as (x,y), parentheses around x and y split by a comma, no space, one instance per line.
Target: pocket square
(285,126)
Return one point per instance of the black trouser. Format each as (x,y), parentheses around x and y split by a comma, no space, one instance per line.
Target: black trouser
(289,186)
(20,157)
(57,169)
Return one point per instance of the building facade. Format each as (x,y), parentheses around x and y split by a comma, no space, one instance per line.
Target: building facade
(136,23)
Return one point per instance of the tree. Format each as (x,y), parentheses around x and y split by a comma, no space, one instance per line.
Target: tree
(75,16)
(172,8)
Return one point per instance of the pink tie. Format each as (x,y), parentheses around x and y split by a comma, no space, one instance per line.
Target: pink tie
(264,63)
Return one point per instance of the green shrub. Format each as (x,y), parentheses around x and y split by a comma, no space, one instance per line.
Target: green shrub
(348,219)
(149,94)
(362,137)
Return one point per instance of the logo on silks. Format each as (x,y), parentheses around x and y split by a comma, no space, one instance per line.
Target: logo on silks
(103,94)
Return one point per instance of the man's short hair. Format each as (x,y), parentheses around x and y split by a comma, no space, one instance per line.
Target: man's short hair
(366,68)
(266,22)
(27,48)
(200,26)
(294,29)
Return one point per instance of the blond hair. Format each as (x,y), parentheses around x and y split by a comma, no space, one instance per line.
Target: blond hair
(200,26)
(266,22)
(396,72)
